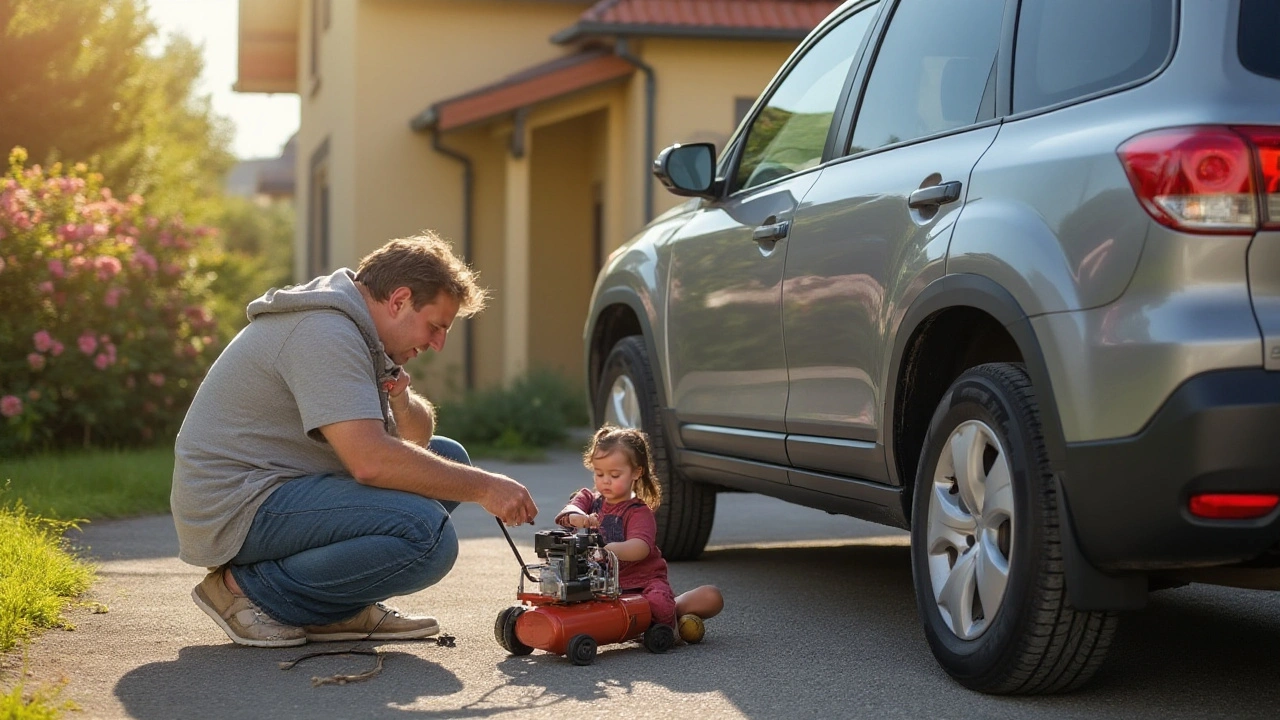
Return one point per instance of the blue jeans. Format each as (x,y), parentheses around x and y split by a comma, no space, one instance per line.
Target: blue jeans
(322,548)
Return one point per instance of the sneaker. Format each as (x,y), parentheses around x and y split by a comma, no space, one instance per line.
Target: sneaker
(242,620)
(375,622)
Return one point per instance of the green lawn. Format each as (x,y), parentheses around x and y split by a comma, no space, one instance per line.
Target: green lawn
(90,485)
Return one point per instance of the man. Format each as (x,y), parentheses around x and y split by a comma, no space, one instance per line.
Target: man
(307,476)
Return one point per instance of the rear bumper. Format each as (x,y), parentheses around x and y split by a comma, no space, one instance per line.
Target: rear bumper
(1127,499)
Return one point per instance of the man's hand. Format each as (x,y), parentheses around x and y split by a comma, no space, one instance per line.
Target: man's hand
(509,501)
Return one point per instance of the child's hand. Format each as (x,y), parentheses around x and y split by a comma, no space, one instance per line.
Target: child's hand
(586,521)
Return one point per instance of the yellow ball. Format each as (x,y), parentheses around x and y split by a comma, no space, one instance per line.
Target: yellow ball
(692,629)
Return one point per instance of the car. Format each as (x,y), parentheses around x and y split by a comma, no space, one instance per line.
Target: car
(1005,273)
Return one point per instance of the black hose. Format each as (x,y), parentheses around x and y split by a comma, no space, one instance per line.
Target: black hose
(523,568)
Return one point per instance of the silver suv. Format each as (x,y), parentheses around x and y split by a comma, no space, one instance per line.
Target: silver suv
(1002,272)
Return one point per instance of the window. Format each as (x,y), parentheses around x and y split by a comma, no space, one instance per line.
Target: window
(1066,50)
(935,71)
(1259,28)
(318,213)
(789,133)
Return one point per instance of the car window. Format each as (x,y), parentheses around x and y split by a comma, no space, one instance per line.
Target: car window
(932,71)
(1259,28)
(789,133)
(1066,50)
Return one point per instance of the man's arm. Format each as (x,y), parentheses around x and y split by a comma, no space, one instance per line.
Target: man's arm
(375,458)
(415,417)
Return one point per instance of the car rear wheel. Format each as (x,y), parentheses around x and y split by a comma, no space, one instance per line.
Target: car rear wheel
(986,549)
(627,396)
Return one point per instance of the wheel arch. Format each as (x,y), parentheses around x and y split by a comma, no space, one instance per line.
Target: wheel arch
(947,307)
(617,313)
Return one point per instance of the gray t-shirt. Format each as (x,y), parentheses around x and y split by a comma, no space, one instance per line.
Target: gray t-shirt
(302,363)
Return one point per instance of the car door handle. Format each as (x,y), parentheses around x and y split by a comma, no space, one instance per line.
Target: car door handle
(935,195)
(774,232)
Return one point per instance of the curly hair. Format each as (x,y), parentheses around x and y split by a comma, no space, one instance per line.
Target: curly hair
(427,266)
(636,445)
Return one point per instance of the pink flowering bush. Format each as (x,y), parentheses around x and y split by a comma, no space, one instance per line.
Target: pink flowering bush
(104,334)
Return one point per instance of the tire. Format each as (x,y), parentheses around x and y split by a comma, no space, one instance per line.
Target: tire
(504,630)
(582,649)
(659,638)
(990,586)
(628,396)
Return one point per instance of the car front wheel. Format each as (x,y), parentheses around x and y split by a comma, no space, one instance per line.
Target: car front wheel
(986,549)
(628,397)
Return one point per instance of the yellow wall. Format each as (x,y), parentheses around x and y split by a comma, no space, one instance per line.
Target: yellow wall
(564,184)
(697,83)
(408,54)
(328,113)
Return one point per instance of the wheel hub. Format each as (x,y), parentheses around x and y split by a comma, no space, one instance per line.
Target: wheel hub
(622,407)
(970,529)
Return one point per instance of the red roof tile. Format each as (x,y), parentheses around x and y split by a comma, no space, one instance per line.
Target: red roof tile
(802,15)
(546,81)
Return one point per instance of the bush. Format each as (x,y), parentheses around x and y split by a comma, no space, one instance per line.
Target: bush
(104,334)
(535,411)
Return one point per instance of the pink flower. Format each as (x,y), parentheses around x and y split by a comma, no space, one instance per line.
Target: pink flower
(56,269)
(101,361)
(36,361)
(43,341)
(112,297)
(145,260)
(87,342)
(156,379)
(46,287)
(107,267)
(57,349)
(10,406)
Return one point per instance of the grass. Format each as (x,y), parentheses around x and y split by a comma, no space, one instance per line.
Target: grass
(42,704)
(90,485)
(37,574)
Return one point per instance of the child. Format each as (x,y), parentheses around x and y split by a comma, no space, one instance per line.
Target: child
(622,506)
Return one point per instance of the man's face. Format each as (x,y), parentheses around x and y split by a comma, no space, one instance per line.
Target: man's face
(410,331)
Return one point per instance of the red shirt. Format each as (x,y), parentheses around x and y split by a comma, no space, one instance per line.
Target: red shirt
(623,521)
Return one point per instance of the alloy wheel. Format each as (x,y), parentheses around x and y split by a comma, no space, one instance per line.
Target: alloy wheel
(970,529)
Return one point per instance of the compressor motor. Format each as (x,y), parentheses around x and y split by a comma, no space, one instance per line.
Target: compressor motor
(577,566)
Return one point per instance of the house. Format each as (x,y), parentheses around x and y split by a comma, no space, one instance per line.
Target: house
(522,130)
(265,179)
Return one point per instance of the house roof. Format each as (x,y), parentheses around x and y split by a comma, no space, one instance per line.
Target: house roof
(546,81)
(738,19)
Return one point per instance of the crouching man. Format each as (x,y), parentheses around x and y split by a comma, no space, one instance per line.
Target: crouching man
(307,475)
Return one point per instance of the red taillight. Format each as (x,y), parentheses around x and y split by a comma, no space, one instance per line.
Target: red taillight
(1198,179)
(1266,143)
(1232,506)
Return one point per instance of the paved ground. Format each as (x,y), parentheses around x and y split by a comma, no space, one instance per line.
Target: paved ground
(820,622)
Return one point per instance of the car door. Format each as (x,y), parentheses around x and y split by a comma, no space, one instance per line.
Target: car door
(725,356)
(874,228)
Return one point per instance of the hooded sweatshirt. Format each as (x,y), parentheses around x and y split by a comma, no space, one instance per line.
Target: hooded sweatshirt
(309,357)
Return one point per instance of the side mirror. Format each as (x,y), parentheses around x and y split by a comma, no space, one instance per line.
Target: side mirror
(688,169)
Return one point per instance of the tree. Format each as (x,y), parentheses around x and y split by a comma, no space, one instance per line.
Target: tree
(77,84)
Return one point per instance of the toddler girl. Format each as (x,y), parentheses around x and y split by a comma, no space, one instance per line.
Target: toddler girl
(622,506)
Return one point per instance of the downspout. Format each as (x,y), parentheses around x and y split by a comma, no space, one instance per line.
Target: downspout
(622,49)
(468,182)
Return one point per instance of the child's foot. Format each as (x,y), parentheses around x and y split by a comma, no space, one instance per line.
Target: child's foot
(691,628)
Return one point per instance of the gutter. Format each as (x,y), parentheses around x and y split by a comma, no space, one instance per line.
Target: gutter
(623,50)
(426,121)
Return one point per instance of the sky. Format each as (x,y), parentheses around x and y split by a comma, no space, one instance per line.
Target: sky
(263,122)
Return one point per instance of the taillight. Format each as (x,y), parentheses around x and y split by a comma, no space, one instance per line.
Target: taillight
(1266,143)
(1199,179)
(1232,506)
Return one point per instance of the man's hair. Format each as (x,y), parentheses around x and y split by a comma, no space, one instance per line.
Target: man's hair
(426,265)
